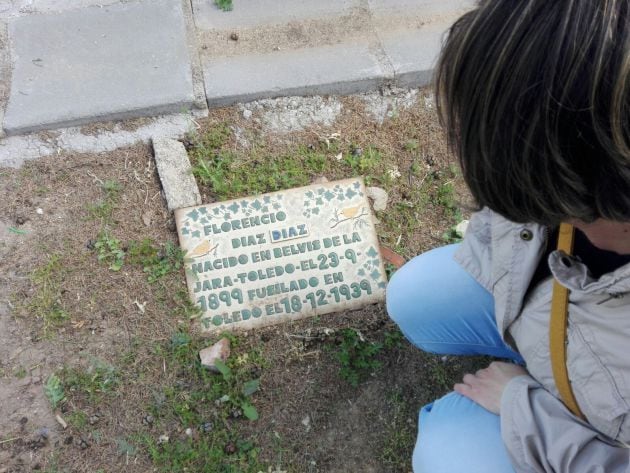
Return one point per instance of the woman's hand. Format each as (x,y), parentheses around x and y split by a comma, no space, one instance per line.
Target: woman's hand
(486,386)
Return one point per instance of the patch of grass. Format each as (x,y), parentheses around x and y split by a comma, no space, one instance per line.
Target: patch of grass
(124,447)
(211,405)
(156,262)
(400,437)
(46,304)
(363,161)
(109,251)
(184,307)
(445,197)
(20,373)
(142,252)
(165,262)
(214,453)
(230,178)
(439,375)
(393,339)
(104,209)
(357,356)
(411,145)
(54,391)
(93,382)
(77,419)
(225,5)
(211,141)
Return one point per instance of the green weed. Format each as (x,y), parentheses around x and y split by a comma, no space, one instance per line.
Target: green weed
(393,339)
(229,178)
(240,391)
(142,253)
(357,356)
(208,403)
(362,162)
(54,391)
(184,307)
(445,197)
(411,145)
(124,447)
(161,265)
(104,209)
(225,5)
(156,262)
(93,382)
(77,419)
(109,250)
(20,373)
(218,452)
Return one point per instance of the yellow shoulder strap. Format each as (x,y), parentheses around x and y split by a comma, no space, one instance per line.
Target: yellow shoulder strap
(558,329)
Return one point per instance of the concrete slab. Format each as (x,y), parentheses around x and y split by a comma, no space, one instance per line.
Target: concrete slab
(250,13)
(12,8)
(120,61)
(413,54)
(341,69)
(173,165)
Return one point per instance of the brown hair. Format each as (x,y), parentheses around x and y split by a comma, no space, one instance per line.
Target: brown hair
(535,97)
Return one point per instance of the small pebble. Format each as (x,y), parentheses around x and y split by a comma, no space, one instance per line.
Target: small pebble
(163,439)
(236,413)
(247,114)
(40,211)
(207,427)
(230,448)
(20,220)
(255,371)
(189,432)
(94,419)
(234,36)
(83,444)
(357,151)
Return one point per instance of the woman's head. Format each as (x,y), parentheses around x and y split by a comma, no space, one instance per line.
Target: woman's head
(535,96)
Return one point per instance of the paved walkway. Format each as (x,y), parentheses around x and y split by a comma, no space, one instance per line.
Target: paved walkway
(74,62)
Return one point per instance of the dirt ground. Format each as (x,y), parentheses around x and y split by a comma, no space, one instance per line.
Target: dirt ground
(111,336)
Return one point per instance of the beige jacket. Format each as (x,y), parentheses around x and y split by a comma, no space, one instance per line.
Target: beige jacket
(540,433)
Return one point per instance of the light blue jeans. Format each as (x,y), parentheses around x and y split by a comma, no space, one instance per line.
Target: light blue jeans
(441,309)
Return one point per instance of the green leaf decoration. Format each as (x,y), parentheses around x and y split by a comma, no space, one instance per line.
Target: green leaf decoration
(249,411)
(250,387)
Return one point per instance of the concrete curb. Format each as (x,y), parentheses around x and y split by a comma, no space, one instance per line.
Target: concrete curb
(342,69)
(173,165)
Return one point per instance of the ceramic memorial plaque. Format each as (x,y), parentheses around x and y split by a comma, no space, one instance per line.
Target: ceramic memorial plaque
(281,256)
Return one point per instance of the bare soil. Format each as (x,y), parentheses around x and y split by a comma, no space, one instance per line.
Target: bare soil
(311,420)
